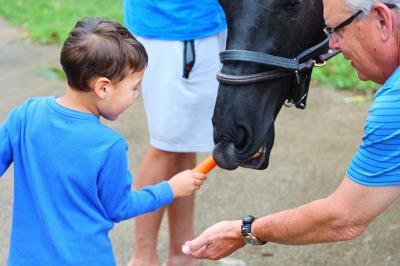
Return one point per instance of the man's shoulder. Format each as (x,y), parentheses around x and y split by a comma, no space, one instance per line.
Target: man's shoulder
(393,82)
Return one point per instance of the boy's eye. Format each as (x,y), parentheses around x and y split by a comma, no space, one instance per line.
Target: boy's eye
(138,86)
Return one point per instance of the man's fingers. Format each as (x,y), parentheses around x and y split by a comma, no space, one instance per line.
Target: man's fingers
(192,246)
(200,253)
(185,249)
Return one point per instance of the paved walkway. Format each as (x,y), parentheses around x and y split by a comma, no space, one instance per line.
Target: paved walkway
(312,149)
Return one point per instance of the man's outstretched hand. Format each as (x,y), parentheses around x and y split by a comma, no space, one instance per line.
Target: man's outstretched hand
(218,241)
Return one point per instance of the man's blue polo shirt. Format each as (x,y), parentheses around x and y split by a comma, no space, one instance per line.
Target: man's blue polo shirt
(377,161)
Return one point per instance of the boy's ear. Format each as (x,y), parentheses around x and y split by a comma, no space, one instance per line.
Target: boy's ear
(101,87)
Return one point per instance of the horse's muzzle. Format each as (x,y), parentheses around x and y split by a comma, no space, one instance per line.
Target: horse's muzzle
(224,154)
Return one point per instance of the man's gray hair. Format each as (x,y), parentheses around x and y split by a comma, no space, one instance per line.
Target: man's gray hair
(365,5)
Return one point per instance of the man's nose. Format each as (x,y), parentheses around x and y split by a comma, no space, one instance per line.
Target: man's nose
(334,44)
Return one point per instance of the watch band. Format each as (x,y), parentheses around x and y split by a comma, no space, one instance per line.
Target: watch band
(245,230)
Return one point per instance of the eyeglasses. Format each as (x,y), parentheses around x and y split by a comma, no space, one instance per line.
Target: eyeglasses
(330,31)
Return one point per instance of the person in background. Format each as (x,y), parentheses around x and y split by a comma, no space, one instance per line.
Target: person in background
(183,40)
(368,34)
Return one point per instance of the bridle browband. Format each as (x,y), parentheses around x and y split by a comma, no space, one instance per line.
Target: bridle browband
(303,63)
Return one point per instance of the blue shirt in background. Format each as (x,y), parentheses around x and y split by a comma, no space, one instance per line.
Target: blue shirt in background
(71,184)
(377,161)
(174,19)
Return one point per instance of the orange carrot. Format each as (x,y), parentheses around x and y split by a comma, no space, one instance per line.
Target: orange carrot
(205,166)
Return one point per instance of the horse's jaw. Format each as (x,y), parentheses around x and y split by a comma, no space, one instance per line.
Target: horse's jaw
(260,159)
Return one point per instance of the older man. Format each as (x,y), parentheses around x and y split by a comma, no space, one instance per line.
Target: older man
(368,34)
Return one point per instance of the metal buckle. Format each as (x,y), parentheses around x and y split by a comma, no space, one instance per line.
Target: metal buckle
(319,64)
(288,103)
(297,77)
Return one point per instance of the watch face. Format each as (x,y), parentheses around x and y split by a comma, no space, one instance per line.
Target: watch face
(248,240)
(252,240)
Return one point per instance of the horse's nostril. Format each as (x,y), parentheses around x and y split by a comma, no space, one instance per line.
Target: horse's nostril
(243,137)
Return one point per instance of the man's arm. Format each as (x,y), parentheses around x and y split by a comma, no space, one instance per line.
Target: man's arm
(343,215)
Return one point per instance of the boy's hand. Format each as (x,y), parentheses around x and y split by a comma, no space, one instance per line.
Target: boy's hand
(185,183)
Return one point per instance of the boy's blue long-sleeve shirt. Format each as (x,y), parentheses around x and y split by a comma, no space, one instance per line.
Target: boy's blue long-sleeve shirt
(71,183)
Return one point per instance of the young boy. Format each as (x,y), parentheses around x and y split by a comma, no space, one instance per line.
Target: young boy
(72,181)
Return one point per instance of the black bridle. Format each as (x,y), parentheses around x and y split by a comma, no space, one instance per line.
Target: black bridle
(301,67)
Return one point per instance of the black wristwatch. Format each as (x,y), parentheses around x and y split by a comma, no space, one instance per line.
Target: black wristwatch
(246,231)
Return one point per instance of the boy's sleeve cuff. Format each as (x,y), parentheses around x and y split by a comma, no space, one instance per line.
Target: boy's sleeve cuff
(165,192)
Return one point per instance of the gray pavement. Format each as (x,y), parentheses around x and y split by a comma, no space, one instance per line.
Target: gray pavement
(310,155)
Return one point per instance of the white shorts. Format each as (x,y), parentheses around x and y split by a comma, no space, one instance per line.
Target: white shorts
(179,110)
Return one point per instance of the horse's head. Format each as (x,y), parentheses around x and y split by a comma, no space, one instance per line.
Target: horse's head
(254,86)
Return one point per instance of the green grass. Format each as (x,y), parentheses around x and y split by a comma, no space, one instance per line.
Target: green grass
(339,74)
(50,21)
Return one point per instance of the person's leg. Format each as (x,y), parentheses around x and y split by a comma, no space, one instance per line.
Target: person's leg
(181,221)
(157,166)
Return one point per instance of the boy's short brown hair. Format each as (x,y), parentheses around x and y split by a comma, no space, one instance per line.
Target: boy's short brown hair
(99,47)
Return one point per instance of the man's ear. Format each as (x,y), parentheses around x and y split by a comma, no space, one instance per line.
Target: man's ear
(101,87)
(383,15)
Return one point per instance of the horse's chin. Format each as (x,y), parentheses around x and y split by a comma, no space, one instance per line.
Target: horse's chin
(260,159)
(260,163)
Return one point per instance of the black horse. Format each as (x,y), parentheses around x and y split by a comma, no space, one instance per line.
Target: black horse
(272,47)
